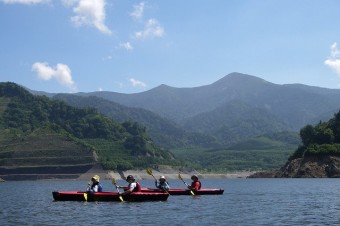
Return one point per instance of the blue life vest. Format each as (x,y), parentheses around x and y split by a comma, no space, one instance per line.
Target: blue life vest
(100,188)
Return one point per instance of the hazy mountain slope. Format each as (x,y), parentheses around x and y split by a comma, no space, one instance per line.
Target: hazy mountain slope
(182,103)
(235,121)
(163,131)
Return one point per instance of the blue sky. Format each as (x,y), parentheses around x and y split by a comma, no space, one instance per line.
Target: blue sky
(132,46)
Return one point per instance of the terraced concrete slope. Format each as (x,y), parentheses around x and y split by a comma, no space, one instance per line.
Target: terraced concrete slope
(43,154)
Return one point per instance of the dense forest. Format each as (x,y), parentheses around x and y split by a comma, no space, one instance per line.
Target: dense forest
(123,145)
(321,139)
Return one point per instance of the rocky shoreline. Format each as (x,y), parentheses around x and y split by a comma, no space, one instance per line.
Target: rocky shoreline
(323,166)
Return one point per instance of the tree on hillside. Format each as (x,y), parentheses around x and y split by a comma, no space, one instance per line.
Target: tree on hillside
(323,138)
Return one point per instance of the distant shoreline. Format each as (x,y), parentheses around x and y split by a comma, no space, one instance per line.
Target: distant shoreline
(142,175)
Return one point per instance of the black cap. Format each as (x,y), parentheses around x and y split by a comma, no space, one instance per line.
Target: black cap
(130,177)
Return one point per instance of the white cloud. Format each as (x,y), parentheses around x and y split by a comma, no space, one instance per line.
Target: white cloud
(61,72)
(90,13)
(126,45)
(334,61)
(138,11)
(25,2)
(137,83)
(152,29)
(334,50)
(334,64)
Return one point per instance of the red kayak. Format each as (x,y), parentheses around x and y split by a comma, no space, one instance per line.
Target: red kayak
(108,196)
(175,191)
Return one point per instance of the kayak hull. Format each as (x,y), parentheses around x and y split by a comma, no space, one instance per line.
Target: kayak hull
(108,196)
(202,191)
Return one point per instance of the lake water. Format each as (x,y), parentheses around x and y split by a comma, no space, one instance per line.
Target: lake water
(244,202)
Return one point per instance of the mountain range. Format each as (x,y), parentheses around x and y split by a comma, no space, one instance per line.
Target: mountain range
(232,109)
(294,104)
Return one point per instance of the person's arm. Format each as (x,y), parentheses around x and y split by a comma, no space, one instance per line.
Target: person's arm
(123,187)
(191,186)
(131,187)
(127,192)
(166,186)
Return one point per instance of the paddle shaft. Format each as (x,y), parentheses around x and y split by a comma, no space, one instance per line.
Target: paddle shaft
(185,183)
(120,197)
(180,177)
(154,177)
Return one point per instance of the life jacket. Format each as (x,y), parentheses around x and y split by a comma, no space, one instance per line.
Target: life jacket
(164,185)
(137,188)
(194,183)
(100,187)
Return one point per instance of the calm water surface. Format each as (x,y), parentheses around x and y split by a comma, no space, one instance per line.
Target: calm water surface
(244,202)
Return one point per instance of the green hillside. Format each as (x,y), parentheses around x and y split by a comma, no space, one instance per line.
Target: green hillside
(258,153)
(49,135)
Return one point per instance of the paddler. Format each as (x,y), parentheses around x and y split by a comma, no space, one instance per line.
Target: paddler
(133,186)
(162,184)
(195,184)
(95,186)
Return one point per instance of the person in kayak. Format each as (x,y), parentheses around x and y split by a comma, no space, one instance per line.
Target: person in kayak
(162,184)
(133,186)
(195,184)
(95,186)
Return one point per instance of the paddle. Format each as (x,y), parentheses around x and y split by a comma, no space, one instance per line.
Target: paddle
(85,196)
(88,188)
(114,183)
(180,177)
(149,171)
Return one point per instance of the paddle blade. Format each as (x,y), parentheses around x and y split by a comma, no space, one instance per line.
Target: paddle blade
(179,176)
(192,192)
(85,196)
(149,171)
(121,198)
(113,181)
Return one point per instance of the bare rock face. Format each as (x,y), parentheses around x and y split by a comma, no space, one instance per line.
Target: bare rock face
(307,167)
